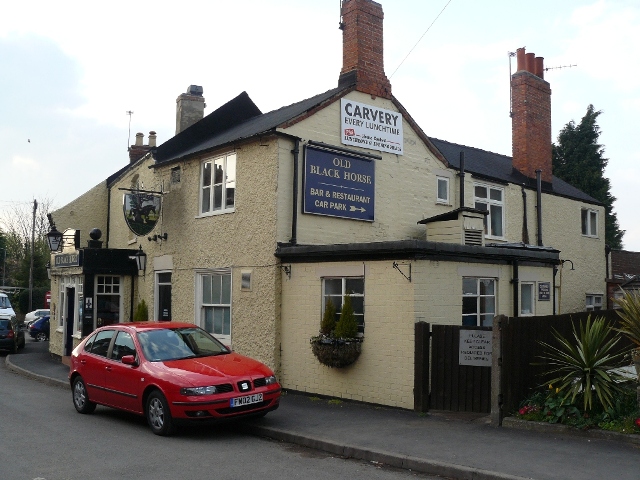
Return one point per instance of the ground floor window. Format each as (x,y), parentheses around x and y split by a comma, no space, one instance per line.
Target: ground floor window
(594,302)
(478,301)
(163,296)
(336,289)
(214,297)
(527,301)
(108,300)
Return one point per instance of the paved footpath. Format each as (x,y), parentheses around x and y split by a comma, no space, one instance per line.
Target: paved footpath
(457,446)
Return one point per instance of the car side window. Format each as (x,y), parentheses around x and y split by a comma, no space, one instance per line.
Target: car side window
(101,343)
(89,343)
(122,346)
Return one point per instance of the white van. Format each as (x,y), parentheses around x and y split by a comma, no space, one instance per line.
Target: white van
(6,310)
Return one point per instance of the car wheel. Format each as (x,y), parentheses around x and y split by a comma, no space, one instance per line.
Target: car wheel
(80,398)
(41,337)
(158,414)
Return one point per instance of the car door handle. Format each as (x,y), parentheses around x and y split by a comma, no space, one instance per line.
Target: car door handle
(83,362)
(108,369)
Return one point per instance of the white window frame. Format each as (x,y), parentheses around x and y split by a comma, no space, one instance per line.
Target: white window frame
(226,339)
(593,302)
(119,293)
(444,200)
(489,203)
(360,316)
(532,287)
(479,297)
(74,282)
(589,222)
(229,181)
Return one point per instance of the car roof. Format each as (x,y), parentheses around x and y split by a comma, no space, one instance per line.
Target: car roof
(145,326)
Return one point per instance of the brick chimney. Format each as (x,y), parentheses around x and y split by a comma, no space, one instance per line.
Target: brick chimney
(531,117)
(362,49)
(137,150)
(189,108)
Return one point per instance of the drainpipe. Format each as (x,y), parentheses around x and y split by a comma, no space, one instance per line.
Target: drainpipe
(525,228)
(539,205)
(461,174)
(294,217)
(516,283)
(555,272)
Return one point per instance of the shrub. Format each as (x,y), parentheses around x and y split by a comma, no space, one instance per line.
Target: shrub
(142,312)
(328,323)
(347,326)
(629,316)
(585,366)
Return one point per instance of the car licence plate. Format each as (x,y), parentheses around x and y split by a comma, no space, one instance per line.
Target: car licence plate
(248,400)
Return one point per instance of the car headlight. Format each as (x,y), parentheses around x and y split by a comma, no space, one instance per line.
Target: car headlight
(270,380)
(199,390)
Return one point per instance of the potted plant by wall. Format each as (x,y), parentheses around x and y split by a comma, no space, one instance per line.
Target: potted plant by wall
(142,312)
(337,344)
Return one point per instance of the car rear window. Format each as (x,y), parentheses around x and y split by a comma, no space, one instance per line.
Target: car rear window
(5,324)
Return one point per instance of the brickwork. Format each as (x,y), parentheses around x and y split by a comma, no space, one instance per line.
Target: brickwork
(363,52)
(531,121)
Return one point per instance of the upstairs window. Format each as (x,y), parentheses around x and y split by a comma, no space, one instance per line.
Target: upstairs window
(589,222)
(218,184)
(442,193)
(491,199)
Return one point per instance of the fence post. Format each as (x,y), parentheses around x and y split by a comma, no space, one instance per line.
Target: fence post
(421,368)
(496,371)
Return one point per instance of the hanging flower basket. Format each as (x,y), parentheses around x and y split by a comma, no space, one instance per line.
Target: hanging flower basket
(336,352)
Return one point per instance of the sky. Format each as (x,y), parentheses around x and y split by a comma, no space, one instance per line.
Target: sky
(70,71)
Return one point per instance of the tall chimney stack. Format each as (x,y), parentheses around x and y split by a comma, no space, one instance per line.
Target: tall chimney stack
(189,108)
(531,117)
(362,48)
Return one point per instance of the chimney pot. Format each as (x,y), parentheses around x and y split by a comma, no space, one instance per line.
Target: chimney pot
(139,138)
(152,138)
(530,62)
(520,55)
(539,67)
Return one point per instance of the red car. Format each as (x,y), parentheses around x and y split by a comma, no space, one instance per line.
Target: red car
(171,373)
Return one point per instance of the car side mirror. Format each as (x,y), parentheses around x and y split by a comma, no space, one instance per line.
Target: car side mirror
(129,360)
(229,348)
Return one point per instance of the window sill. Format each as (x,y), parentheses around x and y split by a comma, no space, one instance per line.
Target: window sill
(443,202)
(217,212)
(594,237)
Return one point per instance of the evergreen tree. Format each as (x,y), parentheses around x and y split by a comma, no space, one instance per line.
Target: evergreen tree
(578,159)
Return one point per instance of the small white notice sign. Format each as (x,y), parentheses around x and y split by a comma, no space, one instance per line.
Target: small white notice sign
(475,348)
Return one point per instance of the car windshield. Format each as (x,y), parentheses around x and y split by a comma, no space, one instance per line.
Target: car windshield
(4,302)
(166,344)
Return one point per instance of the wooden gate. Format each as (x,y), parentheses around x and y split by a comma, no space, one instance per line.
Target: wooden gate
(453,387)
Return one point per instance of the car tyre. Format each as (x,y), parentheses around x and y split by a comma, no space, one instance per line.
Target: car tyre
(158,414)
(41,337)
(81,398)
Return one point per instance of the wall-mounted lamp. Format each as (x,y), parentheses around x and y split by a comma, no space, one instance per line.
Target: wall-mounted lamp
(141,259)
(54,238)
(562,262)
(156,238)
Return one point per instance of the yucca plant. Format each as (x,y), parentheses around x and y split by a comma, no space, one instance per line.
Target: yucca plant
(586,364)
(629,316)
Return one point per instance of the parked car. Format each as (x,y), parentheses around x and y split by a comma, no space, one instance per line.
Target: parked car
(11,335)
(172,373)
(32,316)
(6,310)
(40,329)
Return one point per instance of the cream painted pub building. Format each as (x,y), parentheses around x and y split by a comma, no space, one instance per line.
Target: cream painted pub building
(265,216)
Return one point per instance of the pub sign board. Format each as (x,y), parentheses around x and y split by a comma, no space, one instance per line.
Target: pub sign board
(338,184)
(371,127)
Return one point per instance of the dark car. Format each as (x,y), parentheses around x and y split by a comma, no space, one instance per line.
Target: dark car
(39,329)
(169,372)
(11,335)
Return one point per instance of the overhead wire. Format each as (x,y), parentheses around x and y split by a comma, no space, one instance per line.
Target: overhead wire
(420,39)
